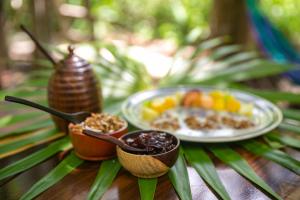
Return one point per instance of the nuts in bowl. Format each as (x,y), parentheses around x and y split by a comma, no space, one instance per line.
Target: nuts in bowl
(89,148)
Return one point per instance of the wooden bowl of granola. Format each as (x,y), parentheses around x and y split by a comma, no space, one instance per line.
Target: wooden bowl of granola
(93,149)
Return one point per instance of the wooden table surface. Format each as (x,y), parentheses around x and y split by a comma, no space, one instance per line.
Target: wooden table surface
(76,185)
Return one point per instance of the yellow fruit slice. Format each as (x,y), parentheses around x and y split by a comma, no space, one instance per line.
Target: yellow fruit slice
(149,114)
(219,104)
(216,94)
(162,104)
(170,102)
(157,105)
(232,104)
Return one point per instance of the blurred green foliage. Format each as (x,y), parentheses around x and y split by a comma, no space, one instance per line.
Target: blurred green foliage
(184,21)
(285,15)
(181,20)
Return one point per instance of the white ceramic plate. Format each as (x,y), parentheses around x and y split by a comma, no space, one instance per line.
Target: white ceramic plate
(266,116)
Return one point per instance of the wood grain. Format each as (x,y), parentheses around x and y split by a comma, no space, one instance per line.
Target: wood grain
(76,185)
(143,166)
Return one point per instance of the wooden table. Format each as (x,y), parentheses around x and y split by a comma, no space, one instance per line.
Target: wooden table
(76,185)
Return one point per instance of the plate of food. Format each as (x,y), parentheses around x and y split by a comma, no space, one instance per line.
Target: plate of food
(202,114)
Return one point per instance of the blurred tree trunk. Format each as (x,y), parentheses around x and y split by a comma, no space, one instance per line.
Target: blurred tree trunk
(229,17)
(42,19)
(3,46)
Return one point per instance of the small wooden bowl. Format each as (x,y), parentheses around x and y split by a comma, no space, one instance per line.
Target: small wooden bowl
(93,149)
(148,166)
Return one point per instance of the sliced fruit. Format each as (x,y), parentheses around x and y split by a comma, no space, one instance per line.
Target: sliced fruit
(170,102)
(219,104)
(216,94)
(246,109)
(178,97)
(162,104)
(232,104)
(192,99)
(149,114)
(207,101)
(158,105)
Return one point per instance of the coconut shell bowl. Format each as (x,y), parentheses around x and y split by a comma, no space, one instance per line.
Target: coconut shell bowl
(93,149)
(152,165)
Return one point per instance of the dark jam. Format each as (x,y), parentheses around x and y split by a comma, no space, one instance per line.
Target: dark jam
(153,142)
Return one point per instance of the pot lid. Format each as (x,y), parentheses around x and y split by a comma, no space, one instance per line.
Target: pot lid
(72,60)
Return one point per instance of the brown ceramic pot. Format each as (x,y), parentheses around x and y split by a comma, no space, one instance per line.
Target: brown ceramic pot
(73,87)
(148,166)
(93,149)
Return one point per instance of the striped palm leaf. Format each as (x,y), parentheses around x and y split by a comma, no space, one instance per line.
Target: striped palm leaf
(225,65)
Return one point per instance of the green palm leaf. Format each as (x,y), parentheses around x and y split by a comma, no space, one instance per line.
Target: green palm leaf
(274,96)
(290,127)
(55,175)
(206,45)
(34,125)
(272,143)
(237,67)
(275,155)
(234,160)
(179,177)
(246,71)
(199,159)
(10,146)
(14,119)
(35,158)
(108,171)
(286,140)
(33,92)
(292,114)
(147,188)
(236,59)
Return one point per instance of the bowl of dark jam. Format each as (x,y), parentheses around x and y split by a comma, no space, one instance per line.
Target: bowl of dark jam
(161,153)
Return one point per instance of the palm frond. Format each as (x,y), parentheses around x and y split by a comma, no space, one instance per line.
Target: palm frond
(147,188)
(179,178)
(35,158)
(202,163)
(12,145)
(15,119)
(107,172)
(274,96)
(27,127)
(275,155)
(290,127)
(211,63)
(234,160)
(61,170)
(291,113)
(285,140)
